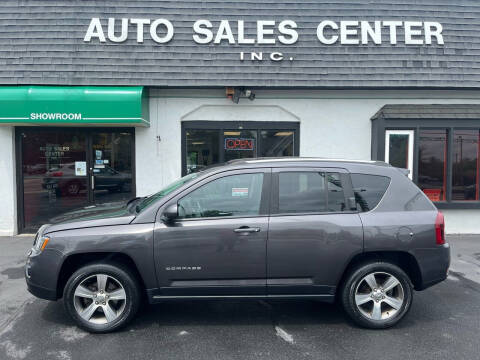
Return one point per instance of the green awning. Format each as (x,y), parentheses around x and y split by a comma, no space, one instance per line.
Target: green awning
(78,105)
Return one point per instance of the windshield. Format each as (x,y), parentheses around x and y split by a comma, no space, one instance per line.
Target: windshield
(165,191)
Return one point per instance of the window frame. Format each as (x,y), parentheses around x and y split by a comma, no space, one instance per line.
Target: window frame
(264,201)
(275,189)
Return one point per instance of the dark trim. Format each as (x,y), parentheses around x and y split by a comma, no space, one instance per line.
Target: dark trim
(283,87)
(449,161)
(154,296)
(221,126)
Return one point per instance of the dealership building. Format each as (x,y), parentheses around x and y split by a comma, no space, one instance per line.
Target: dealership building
(105,101)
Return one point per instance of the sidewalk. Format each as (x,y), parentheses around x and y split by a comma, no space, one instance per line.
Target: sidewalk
(13,291)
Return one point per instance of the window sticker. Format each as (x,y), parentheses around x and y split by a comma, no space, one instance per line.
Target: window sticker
(80,168)
(239,192)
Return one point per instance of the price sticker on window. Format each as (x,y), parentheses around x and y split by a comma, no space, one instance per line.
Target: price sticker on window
(239,192)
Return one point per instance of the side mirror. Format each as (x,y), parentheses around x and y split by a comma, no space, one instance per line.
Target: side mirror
(170,213)
(352,204)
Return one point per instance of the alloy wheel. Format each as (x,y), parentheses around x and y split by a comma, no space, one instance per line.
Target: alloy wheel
(379,296)
(100,299)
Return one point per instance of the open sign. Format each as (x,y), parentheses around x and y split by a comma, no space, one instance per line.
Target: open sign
(239,144)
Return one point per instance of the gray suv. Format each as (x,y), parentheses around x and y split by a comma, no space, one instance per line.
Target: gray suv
(358,232)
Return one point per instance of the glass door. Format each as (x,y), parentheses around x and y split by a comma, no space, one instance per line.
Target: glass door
(63,169)
(111,166)
(54,173)
(399,149)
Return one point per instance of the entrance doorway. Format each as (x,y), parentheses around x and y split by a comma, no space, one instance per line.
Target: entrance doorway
(206,143)
(61,169)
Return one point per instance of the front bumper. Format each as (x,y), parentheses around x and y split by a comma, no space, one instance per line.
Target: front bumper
(41,273)
(41,292)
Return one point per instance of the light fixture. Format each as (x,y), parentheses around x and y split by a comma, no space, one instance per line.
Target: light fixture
(235,93)
(232,133)
(198,143)
(284,133)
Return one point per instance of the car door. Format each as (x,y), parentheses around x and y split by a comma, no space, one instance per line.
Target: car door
(314,231)
(217,244)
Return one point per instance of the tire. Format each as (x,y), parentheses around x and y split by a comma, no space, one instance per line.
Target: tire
(103,310)
(377,309)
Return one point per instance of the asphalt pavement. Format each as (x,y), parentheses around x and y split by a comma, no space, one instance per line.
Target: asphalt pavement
(444,323)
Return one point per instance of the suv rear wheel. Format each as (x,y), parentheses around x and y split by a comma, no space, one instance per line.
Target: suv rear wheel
(102,297)
(377,295)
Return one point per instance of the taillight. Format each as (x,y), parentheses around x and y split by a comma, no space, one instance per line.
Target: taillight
(440,229)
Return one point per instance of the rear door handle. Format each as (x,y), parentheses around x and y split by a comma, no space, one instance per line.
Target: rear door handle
(247,229)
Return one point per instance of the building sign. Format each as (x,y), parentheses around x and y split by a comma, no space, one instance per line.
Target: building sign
(268,32)
(239,144)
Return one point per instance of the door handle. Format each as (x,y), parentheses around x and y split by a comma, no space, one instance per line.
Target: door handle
(247,229)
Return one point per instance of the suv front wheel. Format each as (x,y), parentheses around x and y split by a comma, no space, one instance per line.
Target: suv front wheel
(102,297)
(377,295)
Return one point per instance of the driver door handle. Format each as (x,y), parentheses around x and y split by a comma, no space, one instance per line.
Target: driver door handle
(247,229)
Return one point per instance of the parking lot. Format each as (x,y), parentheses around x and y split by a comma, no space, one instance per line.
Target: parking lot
(444,323)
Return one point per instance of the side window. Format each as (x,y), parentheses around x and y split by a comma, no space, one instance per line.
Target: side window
(308,191)
(369,189)
(300,192)
(234,195)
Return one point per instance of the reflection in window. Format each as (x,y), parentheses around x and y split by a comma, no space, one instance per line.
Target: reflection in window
(432,166)
(369,189)
(336,197)
(465,165)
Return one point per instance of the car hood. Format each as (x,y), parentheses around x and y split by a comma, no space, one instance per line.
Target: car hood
(95,215)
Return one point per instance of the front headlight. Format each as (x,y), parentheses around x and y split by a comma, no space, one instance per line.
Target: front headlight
(40,243)
(40,240)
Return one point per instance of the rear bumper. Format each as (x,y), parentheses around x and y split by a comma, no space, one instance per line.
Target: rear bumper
(434,264)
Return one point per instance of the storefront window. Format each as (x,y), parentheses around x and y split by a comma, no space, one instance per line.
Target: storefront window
(202,149)
(465,165)
(208,143)
(54,171)
(64,169)
(432,166)
(276,143)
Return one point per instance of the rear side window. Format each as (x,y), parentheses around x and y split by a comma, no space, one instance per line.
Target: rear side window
(304,192)
(369,189)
